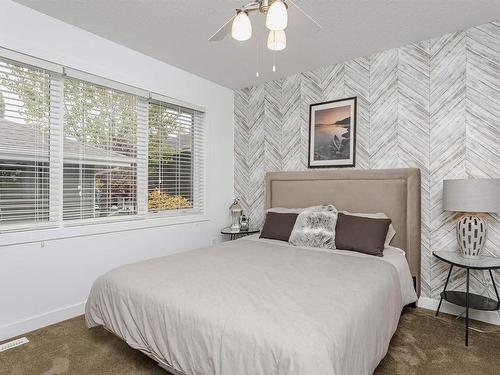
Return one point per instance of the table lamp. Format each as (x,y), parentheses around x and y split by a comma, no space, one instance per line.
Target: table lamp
(471,197)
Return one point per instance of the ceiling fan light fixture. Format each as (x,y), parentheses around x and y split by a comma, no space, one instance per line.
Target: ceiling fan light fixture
(277,16)
(241,29)
(276,41)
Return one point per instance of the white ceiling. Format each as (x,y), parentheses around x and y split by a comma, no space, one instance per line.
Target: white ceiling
(176,31)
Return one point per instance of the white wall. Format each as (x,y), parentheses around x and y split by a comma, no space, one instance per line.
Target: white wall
(41,283)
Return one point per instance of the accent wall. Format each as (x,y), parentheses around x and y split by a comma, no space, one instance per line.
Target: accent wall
(433,104)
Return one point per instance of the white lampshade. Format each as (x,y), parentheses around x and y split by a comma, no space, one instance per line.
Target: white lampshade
(277,16)
(472,195)
(242,27)
(276,41)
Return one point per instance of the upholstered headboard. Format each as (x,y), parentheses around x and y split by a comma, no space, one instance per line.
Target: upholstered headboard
(395,192)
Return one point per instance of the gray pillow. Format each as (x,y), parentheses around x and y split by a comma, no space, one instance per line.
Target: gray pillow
(315,227)
(363,234)
(278,226)
(390,233)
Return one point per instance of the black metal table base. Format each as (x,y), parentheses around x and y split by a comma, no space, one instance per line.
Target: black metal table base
(469,300)
(235,234)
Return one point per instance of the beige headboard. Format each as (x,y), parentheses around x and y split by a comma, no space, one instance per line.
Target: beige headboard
(395,192)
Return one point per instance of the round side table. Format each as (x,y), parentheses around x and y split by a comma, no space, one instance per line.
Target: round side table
(467,299)
(239,233)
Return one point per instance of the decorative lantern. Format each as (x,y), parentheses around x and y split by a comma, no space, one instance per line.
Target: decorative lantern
(236,212)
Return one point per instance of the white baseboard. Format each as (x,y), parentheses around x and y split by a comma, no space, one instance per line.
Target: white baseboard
(42,320)
(484,316)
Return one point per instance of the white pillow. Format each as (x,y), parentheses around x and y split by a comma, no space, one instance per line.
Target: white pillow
(315,227)
(324,208)
(283,210)
(391,232)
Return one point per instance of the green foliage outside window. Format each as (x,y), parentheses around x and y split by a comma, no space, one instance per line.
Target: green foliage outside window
(32,88)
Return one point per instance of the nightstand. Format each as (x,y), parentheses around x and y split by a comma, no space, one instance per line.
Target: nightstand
(467,299)
(239,233)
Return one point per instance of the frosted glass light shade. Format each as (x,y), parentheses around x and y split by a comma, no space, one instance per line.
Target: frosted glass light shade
(242,27)
(276,41)
(277,16)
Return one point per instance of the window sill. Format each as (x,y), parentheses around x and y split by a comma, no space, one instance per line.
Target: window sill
(72,231)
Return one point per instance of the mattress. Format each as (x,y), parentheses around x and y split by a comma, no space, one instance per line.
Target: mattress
(258,307)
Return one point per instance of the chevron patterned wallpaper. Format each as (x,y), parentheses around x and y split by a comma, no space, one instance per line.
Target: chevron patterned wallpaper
(434,105)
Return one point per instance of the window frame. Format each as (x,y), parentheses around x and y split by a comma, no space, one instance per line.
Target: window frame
(56,227)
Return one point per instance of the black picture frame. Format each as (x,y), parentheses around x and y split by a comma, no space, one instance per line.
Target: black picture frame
(333,163)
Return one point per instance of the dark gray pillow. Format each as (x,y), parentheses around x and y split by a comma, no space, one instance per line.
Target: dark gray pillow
(363,234)
(278,226)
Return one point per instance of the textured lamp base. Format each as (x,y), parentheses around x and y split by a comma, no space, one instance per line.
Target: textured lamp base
(471,235)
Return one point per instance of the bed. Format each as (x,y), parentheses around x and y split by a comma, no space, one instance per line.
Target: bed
(256,306)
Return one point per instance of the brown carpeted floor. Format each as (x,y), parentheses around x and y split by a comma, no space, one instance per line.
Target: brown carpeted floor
(422,344)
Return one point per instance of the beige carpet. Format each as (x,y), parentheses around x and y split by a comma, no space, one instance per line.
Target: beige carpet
(423,344)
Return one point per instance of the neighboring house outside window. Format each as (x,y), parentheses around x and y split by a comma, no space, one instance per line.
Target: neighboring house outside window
(24,179)
(24,148)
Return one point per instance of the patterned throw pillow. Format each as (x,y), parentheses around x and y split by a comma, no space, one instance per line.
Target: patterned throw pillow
(315,227)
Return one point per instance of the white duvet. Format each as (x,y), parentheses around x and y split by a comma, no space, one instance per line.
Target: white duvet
(257,307)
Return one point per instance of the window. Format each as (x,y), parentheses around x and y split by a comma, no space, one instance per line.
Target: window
(170,158)
(76,148)
(100,156)
(24,144)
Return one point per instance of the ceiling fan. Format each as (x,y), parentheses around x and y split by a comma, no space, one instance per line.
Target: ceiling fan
(276,13)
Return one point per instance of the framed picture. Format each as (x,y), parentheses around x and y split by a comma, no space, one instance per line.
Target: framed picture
(332,134)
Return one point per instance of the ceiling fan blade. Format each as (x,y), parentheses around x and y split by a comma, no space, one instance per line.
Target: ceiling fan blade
(254,5)
(316,24)
(223,31)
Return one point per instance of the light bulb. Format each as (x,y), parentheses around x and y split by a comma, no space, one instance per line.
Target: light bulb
(242,27)
(257,74)
(274,68)
(277,16)
(276,41)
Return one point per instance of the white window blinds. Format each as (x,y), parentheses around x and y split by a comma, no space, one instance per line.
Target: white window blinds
(175,158)
(100,151)
(77,149)
(25,116)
